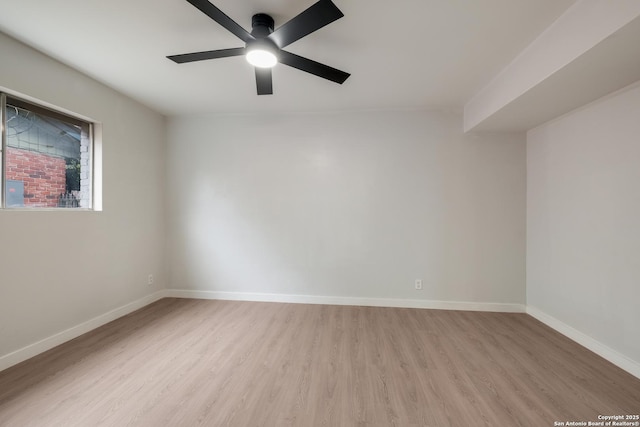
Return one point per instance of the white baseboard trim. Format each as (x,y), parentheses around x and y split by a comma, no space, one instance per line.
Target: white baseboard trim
(329,300)
(48,343)
(584,340)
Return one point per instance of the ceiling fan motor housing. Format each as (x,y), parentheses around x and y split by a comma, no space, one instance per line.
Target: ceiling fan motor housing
(262,25)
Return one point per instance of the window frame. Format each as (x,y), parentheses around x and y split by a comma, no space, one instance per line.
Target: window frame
(88,130)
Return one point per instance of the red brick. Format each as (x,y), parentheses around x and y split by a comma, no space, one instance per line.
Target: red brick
(36,171)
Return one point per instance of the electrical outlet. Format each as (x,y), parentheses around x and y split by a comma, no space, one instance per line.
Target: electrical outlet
(418,284)
(150,280)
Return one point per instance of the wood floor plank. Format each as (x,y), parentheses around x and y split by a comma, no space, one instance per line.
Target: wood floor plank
(182,362)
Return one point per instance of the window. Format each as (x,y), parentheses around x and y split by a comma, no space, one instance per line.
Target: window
(46,157)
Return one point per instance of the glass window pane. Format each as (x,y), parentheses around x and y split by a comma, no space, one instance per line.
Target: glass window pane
(47,159)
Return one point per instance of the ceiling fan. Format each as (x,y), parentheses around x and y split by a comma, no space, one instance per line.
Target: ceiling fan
(264,46)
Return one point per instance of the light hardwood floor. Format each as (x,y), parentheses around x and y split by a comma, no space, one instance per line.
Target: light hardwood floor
(218,363)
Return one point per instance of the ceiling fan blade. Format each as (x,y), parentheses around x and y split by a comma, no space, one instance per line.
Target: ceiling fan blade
(209,54)
(219,16)
(313,67)
(264,82)
(315,17)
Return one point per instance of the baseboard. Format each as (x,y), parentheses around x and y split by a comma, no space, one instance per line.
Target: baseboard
(48,343)
(584,340)
(332,300)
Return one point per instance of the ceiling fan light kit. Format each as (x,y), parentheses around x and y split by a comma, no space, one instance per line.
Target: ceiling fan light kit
(262,58)
(264,46)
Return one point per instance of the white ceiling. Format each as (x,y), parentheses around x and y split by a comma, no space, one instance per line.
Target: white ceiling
(401,54)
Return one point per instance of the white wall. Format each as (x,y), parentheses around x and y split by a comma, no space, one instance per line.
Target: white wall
(354,204)
(59,269)
(583,221)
